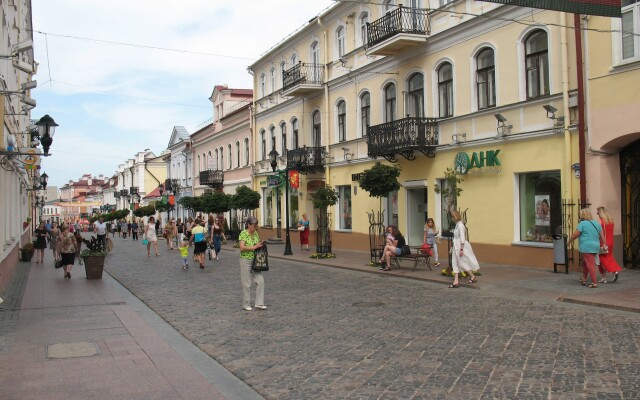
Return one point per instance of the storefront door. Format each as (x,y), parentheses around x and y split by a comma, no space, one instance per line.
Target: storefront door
(416,215)
(630,185)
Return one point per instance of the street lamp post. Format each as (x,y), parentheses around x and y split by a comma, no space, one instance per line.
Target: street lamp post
(273,158)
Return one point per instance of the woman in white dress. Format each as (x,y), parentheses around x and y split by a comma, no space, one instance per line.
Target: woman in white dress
(150,235)
(462,257)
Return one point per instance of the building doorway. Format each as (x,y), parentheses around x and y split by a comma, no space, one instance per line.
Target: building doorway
(416,215)
(630,190)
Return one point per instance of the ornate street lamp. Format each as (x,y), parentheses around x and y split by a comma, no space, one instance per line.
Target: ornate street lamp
(273,158)
(46,129)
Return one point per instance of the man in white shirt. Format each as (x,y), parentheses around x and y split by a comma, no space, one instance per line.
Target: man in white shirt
(101,230)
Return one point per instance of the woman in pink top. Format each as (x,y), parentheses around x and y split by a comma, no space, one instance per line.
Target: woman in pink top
(607,262)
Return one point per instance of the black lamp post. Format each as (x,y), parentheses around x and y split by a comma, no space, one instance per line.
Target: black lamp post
(46,127)
(273,158)
(44,179)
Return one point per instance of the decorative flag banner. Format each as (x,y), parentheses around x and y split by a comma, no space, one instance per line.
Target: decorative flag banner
(605,8)
(294,179)
(172,200)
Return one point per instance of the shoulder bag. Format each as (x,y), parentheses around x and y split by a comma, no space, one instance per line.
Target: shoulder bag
(406,250)
(603,249)
(260,259)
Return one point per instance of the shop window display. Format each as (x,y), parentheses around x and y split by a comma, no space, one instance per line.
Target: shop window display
(268,206)
(540,206)
(345,206)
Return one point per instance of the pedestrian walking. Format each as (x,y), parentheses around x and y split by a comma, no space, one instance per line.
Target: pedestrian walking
(134,230)
(118,228)
(303,227)
(395,242)
(249,240)
(77,227)
(124,227)
(184,254)
(41,242)
(607,262)
(199,241)
(180,230)
(218,235)
(101,230)
(114,228)
(589,234)
(67,250)
(79,239)
(54,243)
(170,232)
(150,235)
(48,226)
(430,235)
(462,257)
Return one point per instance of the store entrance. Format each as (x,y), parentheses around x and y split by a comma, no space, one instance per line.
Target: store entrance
(416,215)
(630,185)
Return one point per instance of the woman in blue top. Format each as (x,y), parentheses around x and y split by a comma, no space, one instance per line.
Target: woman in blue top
(589,233)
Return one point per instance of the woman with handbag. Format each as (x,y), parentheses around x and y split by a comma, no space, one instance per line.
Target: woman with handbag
(249,241)
(199,240)
(462,257)
(430,238)
(589,233)
(607,262)
(170,231)
(303,227)
(68,247)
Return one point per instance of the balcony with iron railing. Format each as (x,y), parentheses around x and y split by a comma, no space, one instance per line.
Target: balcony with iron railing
(212,178)
(397,31)
(307,160)
(403,137)
(302,79)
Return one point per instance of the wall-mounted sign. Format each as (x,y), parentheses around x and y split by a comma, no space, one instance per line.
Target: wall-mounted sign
(273,181)
(477,162)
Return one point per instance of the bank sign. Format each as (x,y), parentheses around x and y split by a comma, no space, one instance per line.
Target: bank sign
(477,162)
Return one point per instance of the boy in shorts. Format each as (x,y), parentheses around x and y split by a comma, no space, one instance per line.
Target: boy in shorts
(184,254)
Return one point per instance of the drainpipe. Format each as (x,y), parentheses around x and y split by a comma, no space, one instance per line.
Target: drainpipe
(566,167)
(326,97)
(581,128)
(252,124)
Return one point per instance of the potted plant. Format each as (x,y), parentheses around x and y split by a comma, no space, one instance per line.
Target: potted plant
(25,224)
(93,258)
(322,199)
(26,252)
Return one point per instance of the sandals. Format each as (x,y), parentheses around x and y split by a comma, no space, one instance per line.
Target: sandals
(454,286)
(592,286)
(603,280)
(471,281)
(386,269)
(615,276)
(582,282)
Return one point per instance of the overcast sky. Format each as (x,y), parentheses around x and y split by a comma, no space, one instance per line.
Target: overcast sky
(113,100)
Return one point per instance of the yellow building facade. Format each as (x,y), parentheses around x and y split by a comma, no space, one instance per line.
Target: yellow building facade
(425,90)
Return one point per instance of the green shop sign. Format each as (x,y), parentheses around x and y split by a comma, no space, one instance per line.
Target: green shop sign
(274,181)
(478,161)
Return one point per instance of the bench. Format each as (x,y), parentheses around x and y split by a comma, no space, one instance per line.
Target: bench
(417,256)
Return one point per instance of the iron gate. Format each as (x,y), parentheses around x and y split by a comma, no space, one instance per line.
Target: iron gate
(630,185)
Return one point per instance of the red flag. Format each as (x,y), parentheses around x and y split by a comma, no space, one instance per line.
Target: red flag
(172,200)
(294,179)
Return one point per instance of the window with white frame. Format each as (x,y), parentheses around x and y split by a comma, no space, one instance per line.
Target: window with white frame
(364,19)
(316,130)
(415,96)
(263,84)
(237,154)
(221,165)
(204,161)
(390,102)
(283,138)
(263,145)
(295,139)
(272,133)
(486,79)
(630,30)
(341,41)
(294,60)
(246,151)
(283,69)
(445,90)
(365,112)
(230,156)
(272,79)
(344,207)
(342,121)
(537,64)
(387,5)
(216,157)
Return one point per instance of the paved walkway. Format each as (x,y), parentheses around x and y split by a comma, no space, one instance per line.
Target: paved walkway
(345,332)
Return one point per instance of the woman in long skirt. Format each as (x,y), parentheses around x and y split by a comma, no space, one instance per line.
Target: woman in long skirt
(462,258)
(607,262)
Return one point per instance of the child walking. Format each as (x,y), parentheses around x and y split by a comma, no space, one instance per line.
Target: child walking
(431,238)
(184,254)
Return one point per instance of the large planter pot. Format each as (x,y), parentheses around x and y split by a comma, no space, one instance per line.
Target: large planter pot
(93,266)
(26,255)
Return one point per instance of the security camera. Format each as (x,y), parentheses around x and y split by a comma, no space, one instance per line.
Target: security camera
(550,109)
(29,85)
(24,66)
(28,101)
(500,118)
(22,46)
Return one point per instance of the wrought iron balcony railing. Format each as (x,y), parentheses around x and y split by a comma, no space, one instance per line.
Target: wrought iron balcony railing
(212,178)
(303,73)
(403,137)
(307,160)
(133,190)
(401,20)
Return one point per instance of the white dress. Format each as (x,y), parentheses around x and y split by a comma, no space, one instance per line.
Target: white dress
(150,232)
(468,261)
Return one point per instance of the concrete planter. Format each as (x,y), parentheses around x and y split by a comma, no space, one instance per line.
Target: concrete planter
(26,255)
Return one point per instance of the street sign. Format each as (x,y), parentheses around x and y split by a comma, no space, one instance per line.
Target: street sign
(273,181)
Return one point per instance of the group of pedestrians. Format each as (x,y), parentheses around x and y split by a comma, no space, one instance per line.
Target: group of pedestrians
(64,244)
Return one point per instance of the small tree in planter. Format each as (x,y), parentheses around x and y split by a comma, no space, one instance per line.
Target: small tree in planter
(322,199)
(245,200)
(378,181)
(93,258)
(26,252)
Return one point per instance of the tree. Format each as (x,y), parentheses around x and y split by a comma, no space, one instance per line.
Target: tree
(216,203)
(144,211)
(322,199)
(380,180)
(246,200)
(190,203)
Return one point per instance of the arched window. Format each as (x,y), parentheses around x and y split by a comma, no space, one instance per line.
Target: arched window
(294,60)
(295,139)
(365,112)
(537,64)
(237,154)
(364,19)
(387,5)
(390,103)
(315,60)
(316,131)
(283,69)
(263,84)
(283,138)
(230,156)
(415,106)
(272,132)
(445,90)
(486,79)
(217,157)
(198,164)
(340,41)
(272,78)
(204,162)
(263,145)
(342,121)
(246,151)
(221,165)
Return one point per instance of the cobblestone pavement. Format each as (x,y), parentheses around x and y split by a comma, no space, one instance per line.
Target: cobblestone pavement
(333,333)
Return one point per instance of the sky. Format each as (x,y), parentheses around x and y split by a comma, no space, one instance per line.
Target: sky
(113,92)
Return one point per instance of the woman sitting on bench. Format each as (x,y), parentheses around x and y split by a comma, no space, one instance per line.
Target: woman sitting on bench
(393,248)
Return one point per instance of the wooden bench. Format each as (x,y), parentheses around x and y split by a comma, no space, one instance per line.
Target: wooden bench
(417,256)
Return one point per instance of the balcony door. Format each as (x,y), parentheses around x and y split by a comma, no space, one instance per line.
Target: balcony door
(315,60)
(316,138)
(415,97)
